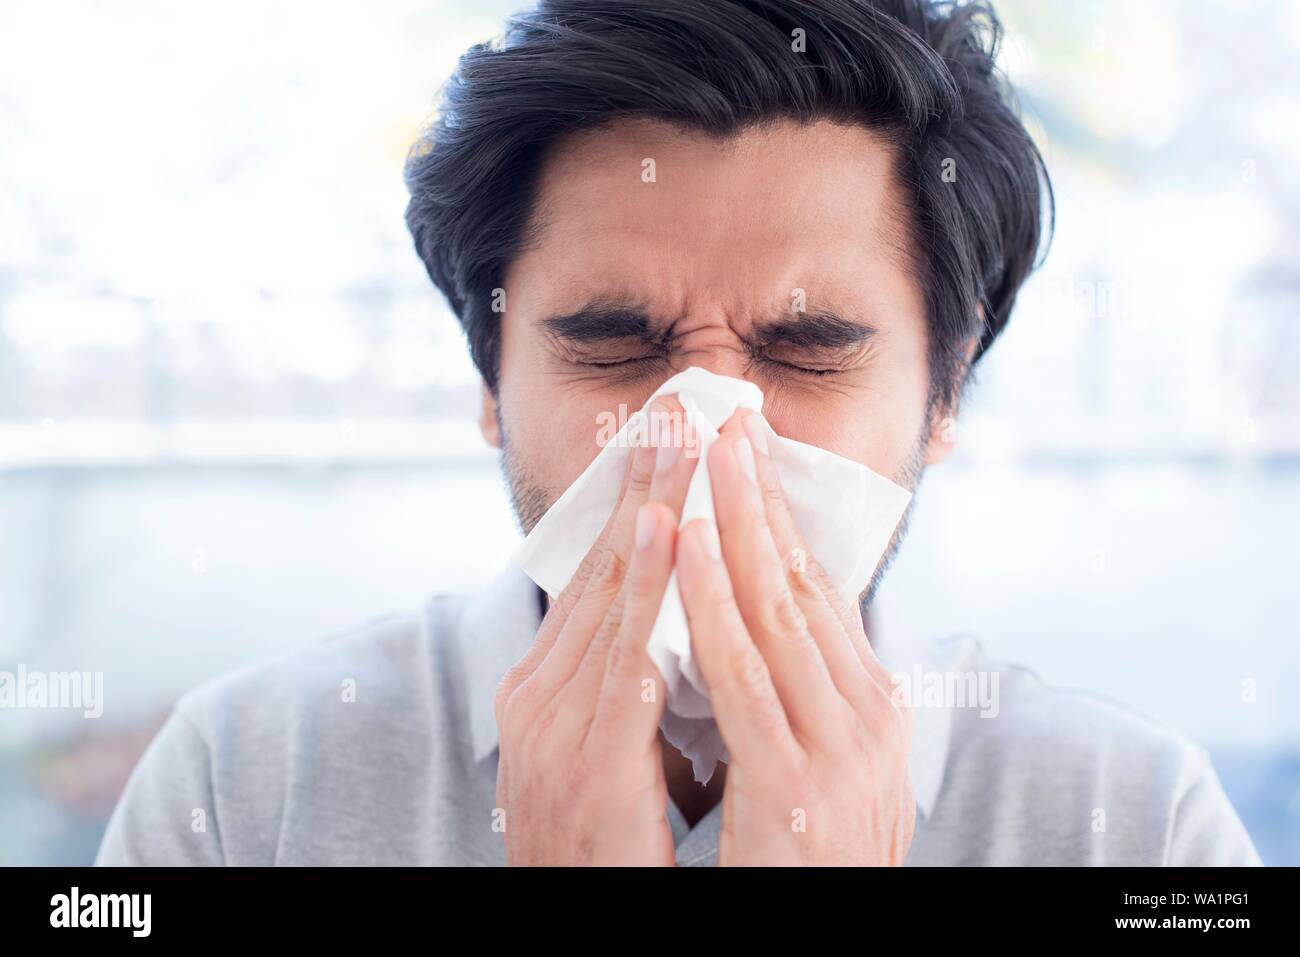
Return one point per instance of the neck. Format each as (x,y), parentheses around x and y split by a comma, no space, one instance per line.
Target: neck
(693,799)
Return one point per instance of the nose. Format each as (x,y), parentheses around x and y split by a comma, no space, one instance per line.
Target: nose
(713,344)
(737,367)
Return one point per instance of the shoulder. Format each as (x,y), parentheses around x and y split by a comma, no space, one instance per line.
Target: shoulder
(328,728)
(398,661)
(1080,778)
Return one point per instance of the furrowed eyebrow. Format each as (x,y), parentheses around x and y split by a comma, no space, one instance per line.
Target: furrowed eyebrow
(814,330)
(598,321)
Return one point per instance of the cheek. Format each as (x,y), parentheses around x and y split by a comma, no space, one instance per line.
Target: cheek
(555,427)
(877,425)
(867,434)
(552,436)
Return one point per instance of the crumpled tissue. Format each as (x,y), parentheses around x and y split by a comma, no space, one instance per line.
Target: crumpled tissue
(846,513)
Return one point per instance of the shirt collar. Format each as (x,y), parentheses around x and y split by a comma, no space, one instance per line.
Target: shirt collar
(501,622)
(499,626)
(904,654)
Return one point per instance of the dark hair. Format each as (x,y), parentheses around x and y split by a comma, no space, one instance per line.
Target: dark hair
(921,74)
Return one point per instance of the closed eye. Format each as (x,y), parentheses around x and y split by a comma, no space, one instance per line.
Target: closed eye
(626,370)
(804,370)
(645,363)
(611,363)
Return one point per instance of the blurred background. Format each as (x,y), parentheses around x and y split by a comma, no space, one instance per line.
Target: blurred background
(235,417)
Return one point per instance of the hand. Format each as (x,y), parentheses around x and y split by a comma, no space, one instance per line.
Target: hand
(818,771)
(580,775)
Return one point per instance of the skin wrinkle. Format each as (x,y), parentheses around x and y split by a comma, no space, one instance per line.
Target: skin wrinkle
(781,181)
(707,297)
(874,408)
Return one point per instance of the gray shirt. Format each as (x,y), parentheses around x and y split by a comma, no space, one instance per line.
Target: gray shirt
(379,746)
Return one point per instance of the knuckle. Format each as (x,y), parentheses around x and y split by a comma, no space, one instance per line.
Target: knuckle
(590,564)
(514,713)
(820,577)
(803,585)
(887,707)
(894,697)
(607,579)
(716,593)
(623,661)
(770,715)
(751,672)
(607,632)
(506,688)
(639,478)
(783,617)
(770,486)
(859,734)
(616,657)
(613,570)
(894,727)
(906,718)
(590,561)
(642,586)
(863,738)
(712,596)
(807,783)
(539,727)
(818,580)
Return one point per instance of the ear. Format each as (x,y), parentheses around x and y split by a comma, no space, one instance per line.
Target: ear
(488,422)
(943,427)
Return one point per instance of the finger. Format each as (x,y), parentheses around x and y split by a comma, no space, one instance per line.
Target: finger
(745,704)
(640,463)
(677,452)
(617,672)
(605,580)
(772,616)
(808,579)
(785,533)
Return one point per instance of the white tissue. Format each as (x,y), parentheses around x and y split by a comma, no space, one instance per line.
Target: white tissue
(845,512)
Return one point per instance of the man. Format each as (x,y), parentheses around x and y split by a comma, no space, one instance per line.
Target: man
(833,200)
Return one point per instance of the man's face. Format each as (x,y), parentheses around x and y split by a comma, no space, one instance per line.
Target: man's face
(776,256)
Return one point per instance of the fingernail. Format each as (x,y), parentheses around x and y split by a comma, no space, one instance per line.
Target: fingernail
(646,523)
(666,456)
(709,539)
(745,459)
(753,427)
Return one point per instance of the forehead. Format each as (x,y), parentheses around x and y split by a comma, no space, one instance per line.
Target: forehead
(648,211)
